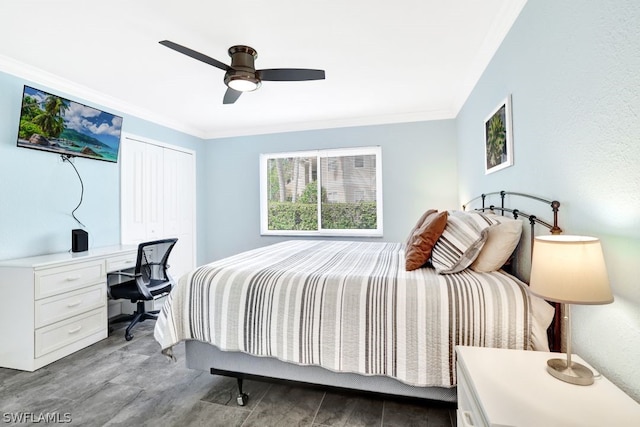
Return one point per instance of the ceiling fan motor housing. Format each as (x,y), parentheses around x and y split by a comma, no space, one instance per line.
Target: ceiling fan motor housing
(242,75)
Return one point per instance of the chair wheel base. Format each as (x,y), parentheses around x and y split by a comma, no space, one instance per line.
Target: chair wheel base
(128,337)
(242,399)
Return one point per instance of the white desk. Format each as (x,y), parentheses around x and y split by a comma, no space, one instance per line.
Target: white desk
(53,305)
(498,387)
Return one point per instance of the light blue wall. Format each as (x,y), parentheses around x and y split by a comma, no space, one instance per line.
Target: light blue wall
(38,191)
(572,68)
(418,172)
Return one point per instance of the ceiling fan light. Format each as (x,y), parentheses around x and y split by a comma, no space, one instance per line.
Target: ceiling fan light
(241,81)
(243,85)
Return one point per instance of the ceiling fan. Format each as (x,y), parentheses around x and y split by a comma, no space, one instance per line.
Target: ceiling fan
(241,75)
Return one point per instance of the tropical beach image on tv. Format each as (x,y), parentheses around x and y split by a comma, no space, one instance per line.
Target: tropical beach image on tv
(52,123)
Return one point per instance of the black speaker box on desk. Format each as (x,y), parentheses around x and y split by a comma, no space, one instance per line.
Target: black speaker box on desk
(79,240)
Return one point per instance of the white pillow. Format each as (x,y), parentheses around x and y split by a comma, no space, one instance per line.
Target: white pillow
(500,244)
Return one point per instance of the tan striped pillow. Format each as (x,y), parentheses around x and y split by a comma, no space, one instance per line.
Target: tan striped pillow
(461,241)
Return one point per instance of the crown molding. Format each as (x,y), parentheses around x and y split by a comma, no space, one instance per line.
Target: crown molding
(52,81)
(334,123)
(504,19)
(41,77)
(55,82)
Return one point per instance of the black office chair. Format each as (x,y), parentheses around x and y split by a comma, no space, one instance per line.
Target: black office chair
(146,281)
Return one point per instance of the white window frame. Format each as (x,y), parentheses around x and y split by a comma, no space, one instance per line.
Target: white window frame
(318,154)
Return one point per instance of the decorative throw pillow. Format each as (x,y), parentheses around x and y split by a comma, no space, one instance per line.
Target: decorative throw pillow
(418,225)
(418,251)
(501,242)
(461,241)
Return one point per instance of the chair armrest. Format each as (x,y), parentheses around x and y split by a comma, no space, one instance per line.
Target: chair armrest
(122,273)
(122,276)
(142,288)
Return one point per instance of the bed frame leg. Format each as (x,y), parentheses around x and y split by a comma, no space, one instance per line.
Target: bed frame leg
(242,397)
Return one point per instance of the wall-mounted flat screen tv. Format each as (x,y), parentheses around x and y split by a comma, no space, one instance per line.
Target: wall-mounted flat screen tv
(51,123)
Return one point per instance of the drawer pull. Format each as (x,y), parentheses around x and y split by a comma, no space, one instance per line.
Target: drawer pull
(467,419)
(73,304)
(74,330)
(72,278)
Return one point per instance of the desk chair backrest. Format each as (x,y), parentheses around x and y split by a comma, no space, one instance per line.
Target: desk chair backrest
(148,281)
(152,261)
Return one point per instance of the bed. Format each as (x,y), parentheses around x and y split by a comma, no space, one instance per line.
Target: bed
(352,314)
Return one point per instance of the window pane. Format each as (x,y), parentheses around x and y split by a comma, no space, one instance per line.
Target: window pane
(349,192)
(292,193)
(349,203)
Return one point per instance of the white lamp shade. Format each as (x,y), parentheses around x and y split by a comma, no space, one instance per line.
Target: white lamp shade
(570,270)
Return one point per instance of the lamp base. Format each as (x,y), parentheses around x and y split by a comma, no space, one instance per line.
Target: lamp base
(575,374)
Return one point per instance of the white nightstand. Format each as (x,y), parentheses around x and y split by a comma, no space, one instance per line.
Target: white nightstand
(498,387)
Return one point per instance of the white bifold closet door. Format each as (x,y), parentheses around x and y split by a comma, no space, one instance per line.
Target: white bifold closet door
(157,197)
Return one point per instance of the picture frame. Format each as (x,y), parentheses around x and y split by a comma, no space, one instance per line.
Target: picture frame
(498,138)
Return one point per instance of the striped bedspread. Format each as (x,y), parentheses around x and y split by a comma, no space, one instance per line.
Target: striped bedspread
(348,306)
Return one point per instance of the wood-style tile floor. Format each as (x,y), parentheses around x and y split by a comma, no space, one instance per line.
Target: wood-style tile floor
(120,383)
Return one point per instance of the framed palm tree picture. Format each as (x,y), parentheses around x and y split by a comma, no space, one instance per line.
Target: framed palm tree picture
(498,138)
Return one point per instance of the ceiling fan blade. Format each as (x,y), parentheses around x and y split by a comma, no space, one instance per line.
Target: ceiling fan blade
(290,74)
(231,96)
(195,55)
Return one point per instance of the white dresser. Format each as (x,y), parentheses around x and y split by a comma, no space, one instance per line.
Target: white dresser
(498,387)
(53,305)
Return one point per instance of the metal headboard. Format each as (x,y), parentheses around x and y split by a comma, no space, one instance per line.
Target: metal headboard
(555,331)
(533,220)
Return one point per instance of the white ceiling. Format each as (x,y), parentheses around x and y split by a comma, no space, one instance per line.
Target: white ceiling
(385,61)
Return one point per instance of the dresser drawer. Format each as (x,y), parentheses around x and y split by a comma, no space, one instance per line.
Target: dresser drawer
(53,281)
(469,413)
(121,262)
(60,307)
(61,334)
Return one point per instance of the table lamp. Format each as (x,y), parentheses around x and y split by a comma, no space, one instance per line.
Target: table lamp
(569,270)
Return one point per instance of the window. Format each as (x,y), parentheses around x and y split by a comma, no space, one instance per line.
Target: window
(358,162)
(349,202)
